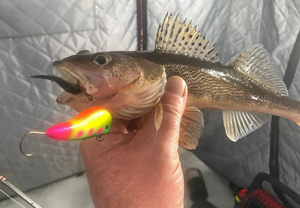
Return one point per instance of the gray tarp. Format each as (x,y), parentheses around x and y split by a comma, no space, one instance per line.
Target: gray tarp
(35,33)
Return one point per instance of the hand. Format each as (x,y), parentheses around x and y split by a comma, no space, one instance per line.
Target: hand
(142,169)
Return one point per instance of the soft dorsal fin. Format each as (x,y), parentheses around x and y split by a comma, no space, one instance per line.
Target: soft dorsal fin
(182,38)
(257,63)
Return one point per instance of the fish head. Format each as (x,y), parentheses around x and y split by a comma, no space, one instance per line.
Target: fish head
(113,79)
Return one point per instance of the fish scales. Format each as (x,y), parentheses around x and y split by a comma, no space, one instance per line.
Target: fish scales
(131,84)
(213,84)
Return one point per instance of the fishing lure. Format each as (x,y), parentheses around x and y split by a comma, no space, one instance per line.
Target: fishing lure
(92,122)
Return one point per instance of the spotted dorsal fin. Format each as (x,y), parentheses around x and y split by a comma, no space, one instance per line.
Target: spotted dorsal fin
(183,38)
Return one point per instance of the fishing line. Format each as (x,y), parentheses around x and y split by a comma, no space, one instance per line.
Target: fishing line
(11,198)
(19,192)
(142,24)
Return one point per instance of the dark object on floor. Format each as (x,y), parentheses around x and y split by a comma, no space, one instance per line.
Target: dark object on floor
(197,189)
(256,197)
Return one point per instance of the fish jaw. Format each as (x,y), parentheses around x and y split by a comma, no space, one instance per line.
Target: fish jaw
(127,87)
(90,81)
(130,102)
(76,74)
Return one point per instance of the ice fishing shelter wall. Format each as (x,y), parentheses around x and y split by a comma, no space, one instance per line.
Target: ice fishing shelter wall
(35,33)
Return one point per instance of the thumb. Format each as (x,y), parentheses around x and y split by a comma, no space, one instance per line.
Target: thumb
(173,103)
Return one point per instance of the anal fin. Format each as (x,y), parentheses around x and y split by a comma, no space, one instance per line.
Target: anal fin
(239,123)
(191,127)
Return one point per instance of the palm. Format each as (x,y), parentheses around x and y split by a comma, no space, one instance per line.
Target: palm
(143,167)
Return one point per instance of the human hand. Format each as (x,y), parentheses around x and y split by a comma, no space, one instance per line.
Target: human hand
(142,169)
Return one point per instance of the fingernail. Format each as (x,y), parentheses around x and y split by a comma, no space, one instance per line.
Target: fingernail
(176,86)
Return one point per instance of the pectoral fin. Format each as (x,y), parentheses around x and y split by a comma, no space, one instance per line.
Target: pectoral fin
(158,108)
(158,115)
(238,123)
(191,127)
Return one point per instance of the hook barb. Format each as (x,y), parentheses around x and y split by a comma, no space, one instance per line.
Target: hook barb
(25,135)
(99,138)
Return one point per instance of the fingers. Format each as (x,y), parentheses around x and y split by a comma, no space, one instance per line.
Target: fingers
(119,126)
(93,148)
(173,103)
(135,124)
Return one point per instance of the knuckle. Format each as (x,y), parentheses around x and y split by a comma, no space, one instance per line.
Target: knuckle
(173,109)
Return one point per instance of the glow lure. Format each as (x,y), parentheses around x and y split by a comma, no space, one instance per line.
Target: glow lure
(89,123)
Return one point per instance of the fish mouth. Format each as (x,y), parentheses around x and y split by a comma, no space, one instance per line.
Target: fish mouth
(75,84)
(77,78)
(67,86)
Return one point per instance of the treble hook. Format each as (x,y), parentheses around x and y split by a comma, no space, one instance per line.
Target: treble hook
(90,98)
(99,138)
(25,135)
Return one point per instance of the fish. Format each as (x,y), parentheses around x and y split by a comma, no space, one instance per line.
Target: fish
(129,84)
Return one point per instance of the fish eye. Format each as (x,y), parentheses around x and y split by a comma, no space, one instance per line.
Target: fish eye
(102,59)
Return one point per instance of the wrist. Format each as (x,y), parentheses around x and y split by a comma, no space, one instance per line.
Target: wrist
(112,192)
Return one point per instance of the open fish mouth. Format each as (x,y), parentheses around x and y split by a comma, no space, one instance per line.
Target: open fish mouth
(73,83)
(67,86)
(84,80)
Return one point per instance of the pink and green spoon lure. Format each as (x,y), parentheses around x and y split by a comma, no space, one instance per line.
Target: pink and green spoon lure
(91,122)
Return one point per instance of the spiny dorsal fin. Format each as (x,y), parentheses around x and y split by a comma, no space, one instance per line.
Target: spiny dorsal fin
(257,63)
(182,38)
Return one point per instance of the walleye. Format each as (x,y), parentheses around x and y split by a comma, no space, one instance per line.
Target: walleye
(130,84)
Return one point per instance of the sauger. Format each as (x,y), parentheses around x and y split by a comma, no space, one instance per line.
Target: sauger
(130,84)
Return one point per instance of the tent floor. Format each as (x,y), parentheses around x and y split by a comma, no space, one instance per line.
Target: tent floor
(74,191)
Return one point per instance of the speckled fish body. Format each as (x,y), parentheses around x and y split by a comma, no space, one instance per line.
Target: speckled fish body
(214,86)
(130,84)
